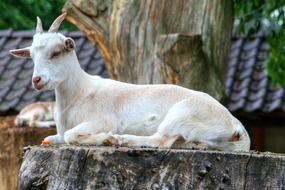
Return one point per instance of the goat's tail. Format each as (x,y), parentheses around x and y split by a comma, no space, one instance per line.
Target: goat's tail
(243,142)
(239,141)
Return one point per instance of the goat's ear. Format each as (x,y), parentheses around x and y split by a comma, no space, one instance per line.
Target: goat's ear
(22,53)
(69,44)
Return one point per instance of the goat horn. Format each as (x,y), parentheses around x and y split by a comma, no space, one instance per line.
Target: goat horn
(39,28)
(56,23)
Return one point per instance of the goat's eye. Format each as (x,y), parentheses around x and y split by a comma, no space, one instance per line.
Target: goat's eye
(55,54)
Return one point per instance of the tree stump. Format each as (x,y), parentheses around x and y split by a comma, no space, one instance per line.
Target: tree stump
(91,167)
(12,142)
(183,42)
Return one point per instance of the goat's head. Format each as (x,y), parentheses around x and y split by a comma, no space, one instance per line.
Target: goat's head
(51,53)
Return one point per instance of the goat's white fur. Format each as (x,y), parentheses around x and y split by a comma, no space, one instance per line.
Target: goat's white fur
(39,114)
(91,110)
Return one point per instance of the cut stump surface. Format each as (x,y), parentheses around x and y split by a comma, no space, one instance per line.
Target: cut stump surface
(90,167)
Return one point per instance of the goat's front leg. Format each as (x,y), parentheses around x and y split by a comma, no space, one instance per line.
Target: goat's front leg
(93,132)
(42,124)
(53,139)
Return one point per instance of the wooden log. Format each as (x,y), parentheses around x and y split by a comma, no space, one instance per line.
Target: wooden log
(90,167)
(184,42)
(12,142)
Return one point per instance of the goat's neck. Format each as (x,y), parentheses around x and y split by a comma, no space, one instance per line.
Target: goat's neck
(73,87)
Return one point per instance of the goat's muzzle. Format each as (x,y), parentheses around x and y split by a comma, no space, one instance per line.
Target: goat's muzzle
(36,82)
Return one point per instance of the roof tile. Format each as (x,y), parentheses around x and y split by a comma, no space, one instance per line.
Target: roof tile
(13,43)
(256,95)
(6,33)
(238,95)
(6,83)
(245,73)
(273,105)
(252,45)
(251,106)
(237,43)
(7,105)
(259,84)
(15,94)
(10,73)
(2,42)
(275,94)
(248,54)
(236,105)
(241,84)
(25,74)
(3,92)
(30,95)
(252,87)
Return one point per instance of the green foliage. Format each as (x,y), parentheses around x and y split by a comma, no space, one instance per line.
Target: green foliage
(267,16)
(21,14)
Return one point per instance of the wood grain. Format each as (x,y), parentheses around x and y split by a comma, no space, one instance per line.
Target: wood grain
(87,167)
(131,36)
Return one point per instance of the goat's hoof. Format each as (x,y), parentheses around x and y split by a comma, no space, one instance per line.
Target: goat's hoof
(46,143)
(110,141)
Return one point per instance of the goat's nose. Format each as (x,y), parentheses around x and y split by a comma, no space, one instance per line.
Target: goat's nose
(37,79)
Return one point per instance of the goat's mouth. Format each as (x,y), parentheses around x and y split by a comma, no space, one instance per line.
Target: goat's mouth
(40,86)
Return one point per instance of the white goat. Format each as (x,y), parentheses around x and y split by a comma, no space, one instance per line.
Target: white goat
(93,110)
(38,114)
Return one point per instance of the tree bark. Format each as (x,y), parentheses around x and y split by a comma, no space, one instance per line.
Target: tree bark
(184,42)
(85,167)
(12,142)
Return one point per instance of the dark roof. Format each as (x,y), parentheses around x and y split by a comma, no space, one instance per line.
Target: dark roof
(15,74)
(248,86)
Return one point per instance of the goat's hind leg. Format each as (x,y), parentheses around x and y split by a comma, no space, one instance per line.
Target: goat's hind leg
(186,120)
(88,133)
(155,140)
(169,130)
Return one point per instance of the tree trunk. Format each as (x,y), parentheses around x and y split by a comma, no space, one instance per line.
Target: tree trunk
(12,142)
(184,42)
(85,167)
